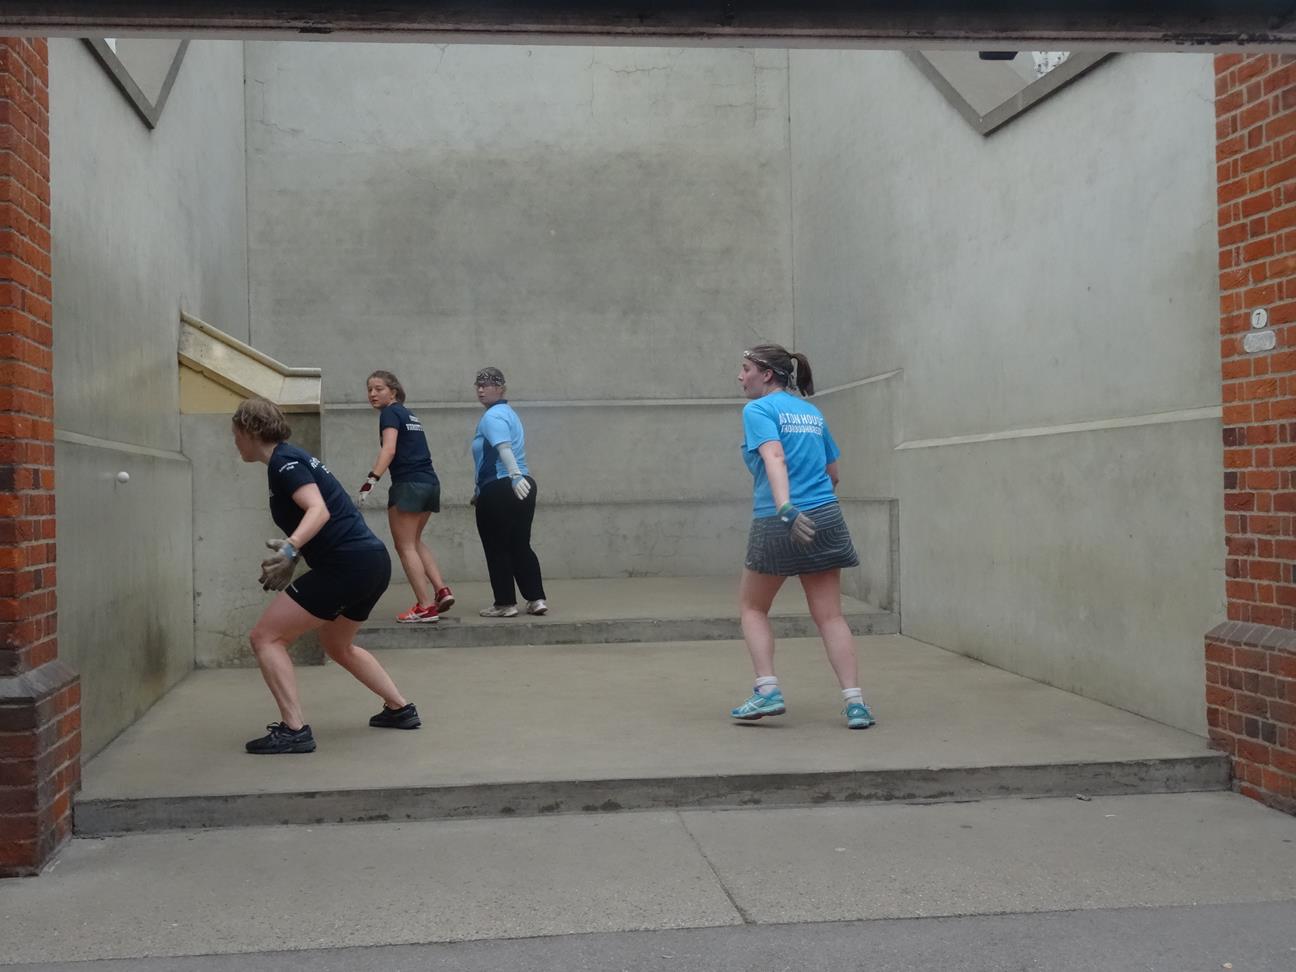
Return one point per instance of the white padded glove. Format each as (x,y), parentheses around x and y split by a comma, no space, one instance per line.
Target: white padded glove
(521,486)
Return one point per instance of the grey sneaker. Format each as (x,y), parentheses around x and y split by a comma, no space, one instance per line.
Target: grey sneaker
(499,611)
(538,606)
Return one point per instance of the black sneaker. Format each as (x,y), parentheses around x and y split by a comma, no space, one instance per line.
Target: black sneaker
(406,717)
(281,739)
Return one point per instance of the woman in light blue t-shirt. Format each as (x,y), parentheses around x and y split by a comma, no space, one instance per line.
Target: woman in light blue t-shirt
(797,527)
(505,497)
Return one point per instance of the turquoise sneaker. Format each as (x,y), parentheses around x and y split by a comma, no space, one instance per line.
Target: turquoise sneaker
(858,716)
(759,706)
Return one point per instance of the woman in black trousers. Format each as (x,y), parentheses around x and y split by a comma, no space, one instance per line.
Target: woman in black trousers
(505,500)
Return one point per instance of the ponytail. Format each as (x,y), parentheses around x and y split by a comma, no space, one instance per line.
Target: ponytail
(804,376)
(781,362)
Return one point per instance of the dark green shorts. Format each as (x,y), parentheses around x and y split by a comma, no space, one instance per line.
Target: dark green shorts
(415,497)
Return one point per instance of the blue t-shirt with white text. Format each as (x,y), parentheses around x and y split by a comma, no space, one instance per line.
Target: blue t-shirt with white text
(808,448)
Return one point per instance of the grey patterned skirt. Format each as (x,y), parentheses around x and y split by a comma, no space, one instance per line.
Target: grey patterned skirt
(771,551)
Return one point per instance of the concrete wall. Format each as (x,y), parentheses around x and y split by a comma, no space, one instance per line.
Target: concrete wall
(144,223)
(608,226)
(1059,273)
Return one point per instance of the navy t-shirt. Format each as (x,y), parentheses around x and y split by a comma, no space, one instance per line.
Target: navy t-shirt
(290,469)
(413,461)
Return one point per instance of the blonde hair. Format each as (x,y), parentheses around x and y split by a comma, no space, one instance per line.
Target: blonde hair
(262,418)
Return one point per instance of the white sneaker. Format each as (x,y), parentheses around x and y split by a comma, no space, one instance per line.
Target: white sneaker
(499,611)
(537,607)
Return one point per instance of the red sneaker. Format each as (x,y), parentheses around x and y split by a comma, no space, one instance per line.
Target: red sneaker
(419,614)
(444,599)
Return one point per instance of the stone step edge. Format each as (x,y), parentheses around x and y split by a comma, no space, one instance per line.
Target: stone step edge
(103,817)
(511,631)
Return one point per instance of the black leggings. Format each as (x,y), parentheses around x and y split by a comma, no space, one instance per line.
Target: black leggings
(504,525)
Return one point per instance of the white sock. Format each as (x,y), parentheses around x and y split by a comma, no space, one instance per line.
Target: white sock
(767,685)
(852,695)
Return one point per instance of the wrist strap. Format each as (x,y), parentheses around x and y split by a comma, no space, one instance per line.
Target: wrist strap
(373,476)
(289,551)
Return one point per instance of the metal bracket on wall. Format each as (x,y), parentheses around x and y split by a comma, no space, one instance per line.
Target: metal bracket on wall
(148,108)
(1004,111)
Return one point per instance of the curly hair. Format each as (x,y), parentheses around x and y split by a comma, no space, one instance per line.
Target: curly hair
(261,418)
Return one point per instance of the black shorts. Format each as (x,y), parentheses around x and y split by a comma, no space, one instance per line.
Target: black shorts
(415,497)
(349,587)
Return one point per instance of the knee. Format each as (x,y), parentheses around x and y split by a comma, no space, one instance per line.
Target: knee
(828,618)
(263,640)
(340,653)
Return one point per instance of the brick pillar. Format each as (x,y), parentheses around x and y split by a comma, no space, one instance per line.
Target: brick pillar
(1251,658)
(40,734)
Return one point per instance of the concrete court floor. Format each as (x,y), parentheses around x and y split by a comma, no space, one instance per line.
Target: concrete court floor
(270,889)
(595,712)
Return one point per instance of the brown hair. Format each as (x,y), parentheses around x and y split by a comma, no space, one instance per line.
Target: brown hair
(791,368)
(262,418)
(391,381)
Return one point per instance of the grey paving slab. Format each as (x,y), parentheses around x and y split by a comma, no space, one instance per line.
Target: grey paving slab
(286,888)
(260,889)
(590,712)
(1201,938)
(999,856)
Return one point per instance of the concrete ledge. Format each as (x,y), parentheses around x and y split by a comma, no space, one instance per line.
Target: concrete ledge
(104,817)
(452,632)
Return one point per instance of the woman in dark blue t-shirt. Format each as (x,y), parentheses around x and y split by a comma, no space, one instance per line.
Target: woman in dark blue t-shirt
(349,571)
(414,496)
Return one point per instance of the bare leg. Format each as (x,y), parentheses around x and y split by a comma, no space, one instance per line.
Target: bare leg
(425,556)
(755,595)
(282,623)
(823,596)
(336,637)
(405,535)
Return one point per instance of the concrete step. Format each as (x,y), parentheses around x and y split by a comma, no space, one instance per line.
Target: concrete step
(605,610)
(521,730)
(104,817)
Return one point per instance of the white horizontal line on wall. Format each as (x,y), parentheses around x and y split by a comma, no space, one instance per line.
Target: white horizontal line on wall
(574,403)
(856,384)
(1127,422)
(94,442)
(614,402)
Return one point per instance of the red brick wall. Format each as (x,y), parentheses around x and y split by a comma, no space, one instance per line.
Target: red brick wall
(40,739)
(1250,665)
(1251,707)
